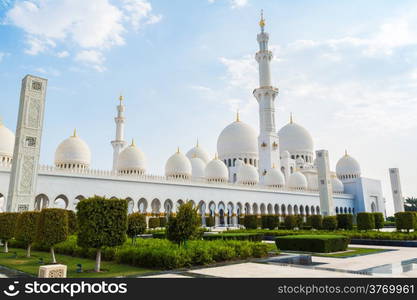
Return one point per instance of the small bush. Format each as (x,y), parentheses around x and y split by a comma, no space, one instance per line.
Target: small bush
(290,222)
(365,221)
(210,221)
(299,220)
(251,222)
(345,221)
(313,243)
(379,220)
(329,223)
(405,220)
(269,222)
(184,225)
(315,221)
(154,223)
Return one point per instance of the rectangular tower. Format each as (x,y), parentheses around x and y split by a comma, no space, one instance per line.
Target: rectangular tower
(24,173)
(325,183)
(397,194)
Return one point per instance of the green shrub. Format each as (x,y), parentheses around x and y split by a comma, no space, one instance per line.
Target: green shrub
(269,222)
(184,225)
(313,243)
(299,220)
(52,228)
(26,228)
(254,237)
(72,222)
(102,223)
(210,221)
(159,235)
(8,223)
(365,221)
(345,221)
(251,222)
(315,221)
(405,220)
(162,221)
(290,222)
(241,220)
(154,223)
(329,223)
(379,220)
(136,224)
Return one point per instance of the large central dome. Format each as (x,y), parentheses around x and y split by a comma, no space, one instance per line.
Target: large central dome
(237,139)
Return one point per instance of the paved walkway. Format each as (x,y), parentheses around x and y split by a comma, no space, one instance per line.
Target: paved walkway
(329,267)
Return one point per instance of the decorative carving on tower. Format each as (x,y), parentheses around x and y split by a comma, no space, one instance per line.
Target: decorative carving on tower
(23,178)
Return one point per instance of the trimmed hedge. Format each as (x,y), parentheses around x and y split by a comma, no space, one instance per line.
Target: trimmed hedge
(154,223)
(162,221)
(72,222)
(406,220)
(26,228)
(315,221)
(313,243)
(270,222)
(251,222)
(254,237)
(136,224)
(8,221)
(290,222)
(365,221)
(329,223)
(345,221)
(379,220)
(210,221)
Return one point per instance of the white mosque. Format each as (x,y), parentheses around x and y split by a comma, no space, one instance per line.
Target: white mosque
(270,172)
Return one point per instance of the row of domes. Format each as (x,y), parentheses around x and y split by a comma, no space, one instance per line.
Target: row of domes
(235,139)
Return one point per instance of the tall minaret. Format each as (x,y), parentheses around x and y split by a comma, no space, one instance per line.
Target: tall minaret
(265,94)
(119,143)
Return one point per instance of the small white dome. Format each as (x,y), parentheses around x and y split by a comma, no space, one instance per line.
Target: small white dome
(217,171)
(131,160)
(73,152)
(295,138)
(178,166)
(247,174)
(347,167)
(275,178)
(197,167)
(337,185)
(237,139)
(297,181)
(6,142)
(199,152)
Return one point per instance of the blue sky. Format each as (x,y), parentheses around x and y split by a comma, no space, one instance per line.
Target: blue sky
(346,69)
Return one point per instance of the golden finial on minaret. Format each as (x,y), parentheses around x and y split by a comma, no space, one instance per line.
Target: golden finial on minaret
(346,153)
(198,144)
(291,118)
(121,98)
(273,166)
(178,149)
(75,133)
(133,143)
(237,116)
(215,156)
(262,21)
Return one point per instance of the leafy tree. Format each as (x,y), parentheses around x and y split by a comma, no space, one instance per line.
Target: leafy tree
(101,223)
(410,204)
(26,228)
(136,224)
(72,222)
(52,228)
(8,222)
(184,225)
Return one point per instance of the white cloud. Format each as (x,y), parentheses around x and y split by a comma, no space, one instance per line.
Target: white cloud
(62,54)
(91,25)
(91,57)
(234,3)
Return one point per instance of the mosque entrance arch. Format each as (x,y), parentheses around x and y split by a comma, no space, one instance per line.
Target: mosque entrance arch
(41,201)
(222,221)
(61,202)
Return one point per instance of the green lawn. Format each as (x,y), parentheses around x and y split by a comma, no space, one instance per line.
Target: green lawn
(351,252)
(31,265)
